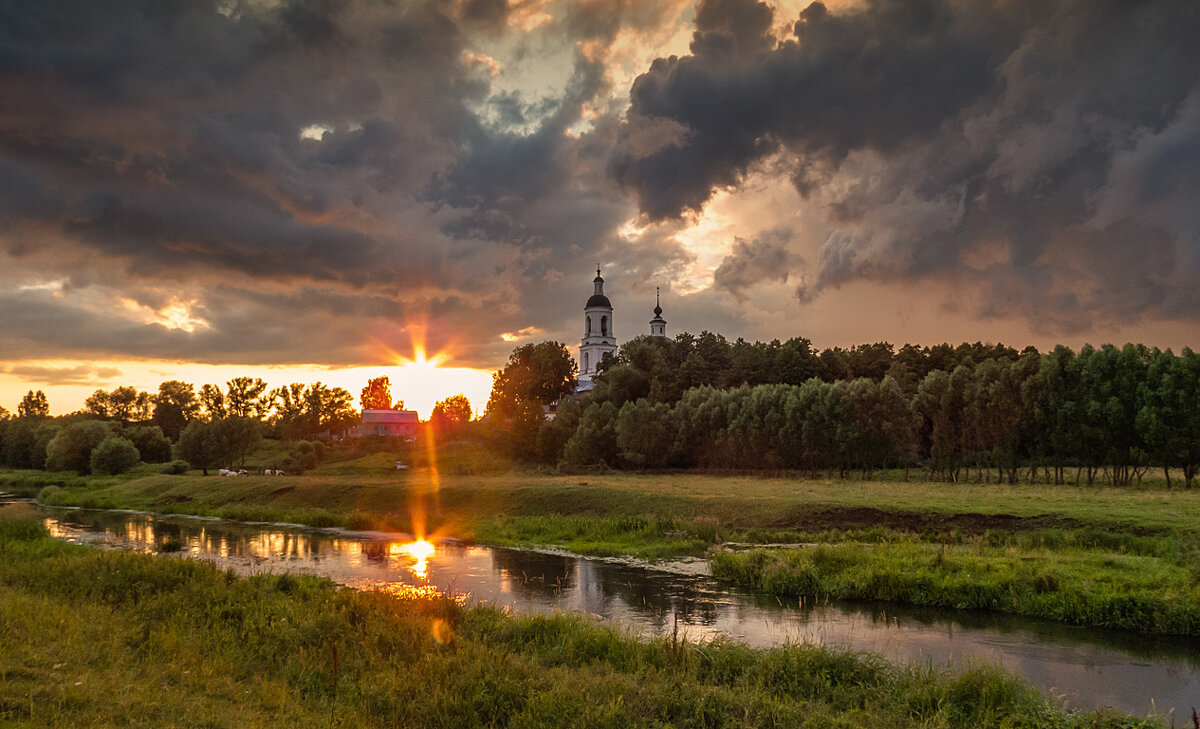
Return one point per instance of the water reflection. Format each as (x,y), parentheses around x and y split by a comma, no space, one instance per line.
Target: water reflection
(1088,668)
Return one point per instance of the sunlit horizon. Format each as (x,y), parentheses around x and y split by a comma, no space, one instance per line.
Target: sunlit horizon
(420,380)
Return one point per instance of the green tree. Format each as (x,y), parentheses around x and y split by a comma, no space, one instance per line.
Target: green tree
(377,395)
(288,411)
(940,401)
(645,433)
(244,398)
(25,441)
(536,375)
(113,455)
(236,438)
(595,440)
(328,408)
(212,400)
(152,445)
(554,432)
(123,404)
(451,413)
(33,405)
(71,449)
(199,446)
(174,405)
(1169,417)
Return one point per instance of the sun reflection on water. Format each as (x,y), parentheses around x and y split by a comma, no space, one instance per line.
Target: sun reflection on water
(420,551)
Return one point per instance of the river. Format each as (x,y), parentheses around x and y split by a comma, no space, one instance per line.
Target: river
(1086,668)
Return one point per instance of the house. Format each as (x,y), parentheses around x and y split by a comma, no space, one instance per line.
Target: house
(398,423)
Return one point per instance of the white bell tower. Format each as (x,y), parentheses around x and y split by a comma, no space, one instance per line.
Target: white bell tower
(598,338)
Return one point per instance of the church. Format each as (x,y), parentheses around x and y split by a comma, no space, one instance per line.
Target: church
(598,337)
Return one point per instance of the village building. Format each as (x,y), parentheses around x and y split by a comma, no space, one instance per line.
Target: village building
(396,423)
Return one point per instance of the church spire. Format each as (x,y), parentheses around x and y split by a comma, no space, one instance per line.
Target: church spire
(658,325)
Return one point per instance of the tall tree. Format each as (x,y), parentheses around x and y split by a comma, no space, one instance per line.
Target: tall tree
(451,413)
(245,398)
(1169,418)
(328,408)
(288,417)
(536,375)
(33,405)
(199,447)
(174,405)
(377,395)
(212,400)
(124,404)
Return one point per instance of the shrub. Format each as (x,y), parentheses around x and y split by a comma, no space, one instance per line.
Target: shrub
(176,467)
(71,449)
(114,455)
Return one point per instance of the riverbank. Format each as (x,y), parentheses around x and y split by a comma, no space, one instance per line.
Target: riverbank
(1086,587)
(108,638)
(1099,557)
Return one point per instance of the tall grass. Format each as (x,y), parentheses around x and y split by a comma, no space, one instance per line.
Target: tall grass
(116,639)
(1075,586)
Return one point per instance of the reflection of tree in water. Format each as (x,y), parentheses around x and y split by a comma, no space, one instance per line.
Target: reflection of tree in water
(375,551)
(594,586)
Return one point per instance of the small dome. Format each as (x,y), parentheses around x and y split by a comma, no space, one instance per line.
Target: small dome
(598,300)
(657,310)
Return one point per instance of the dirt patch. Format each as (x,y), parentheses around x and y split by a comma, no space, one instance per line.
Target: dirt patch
(865,518)
(282,491)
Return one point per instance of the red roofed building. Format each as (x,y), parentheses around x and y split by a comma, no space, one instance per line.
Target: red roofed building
(398,423)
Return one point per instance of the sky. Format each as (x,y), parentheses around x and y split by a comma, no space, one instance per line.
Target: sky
(309,190)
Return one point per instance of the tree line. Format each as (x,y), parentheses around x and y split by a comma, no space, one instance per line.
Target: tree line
(968,412)
(206,428)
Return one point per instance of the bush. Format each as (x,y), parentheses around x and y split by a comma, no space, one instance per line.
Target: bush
(71,449)
(114,455)
(176,467)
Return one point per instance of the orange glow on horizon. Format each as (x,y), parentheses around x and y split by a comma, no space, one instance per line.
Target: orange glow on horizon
(422,378)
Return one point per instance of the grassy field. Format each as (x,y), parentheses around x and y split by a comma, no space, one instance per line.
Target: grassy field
(1103,557)
(1086,587)
(102,639)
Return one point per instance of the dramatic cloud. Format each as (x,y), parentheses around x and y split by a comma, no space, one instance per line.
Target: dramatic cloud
(322,181)
(751,262)
(1043,151)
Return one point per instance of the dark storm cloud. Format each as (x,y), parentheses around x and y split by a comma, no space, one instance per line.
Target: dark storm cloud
(765,258)
(1044,152)
(157,151)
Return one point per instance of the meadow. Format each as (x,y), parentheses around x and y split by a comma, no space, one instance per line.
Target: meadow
(100,638)
(1120,558)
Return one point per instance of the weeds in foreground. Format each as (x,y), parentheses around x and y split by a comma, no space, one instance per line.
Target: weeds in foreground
(104,639)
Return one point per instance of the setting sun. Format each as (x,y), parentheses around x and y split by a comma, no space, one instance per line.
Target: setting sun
(421,380)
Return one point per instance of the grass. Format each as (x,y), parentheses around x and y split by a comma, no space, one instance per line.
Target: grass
(1078,529)
(96,638)
(1086,587)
